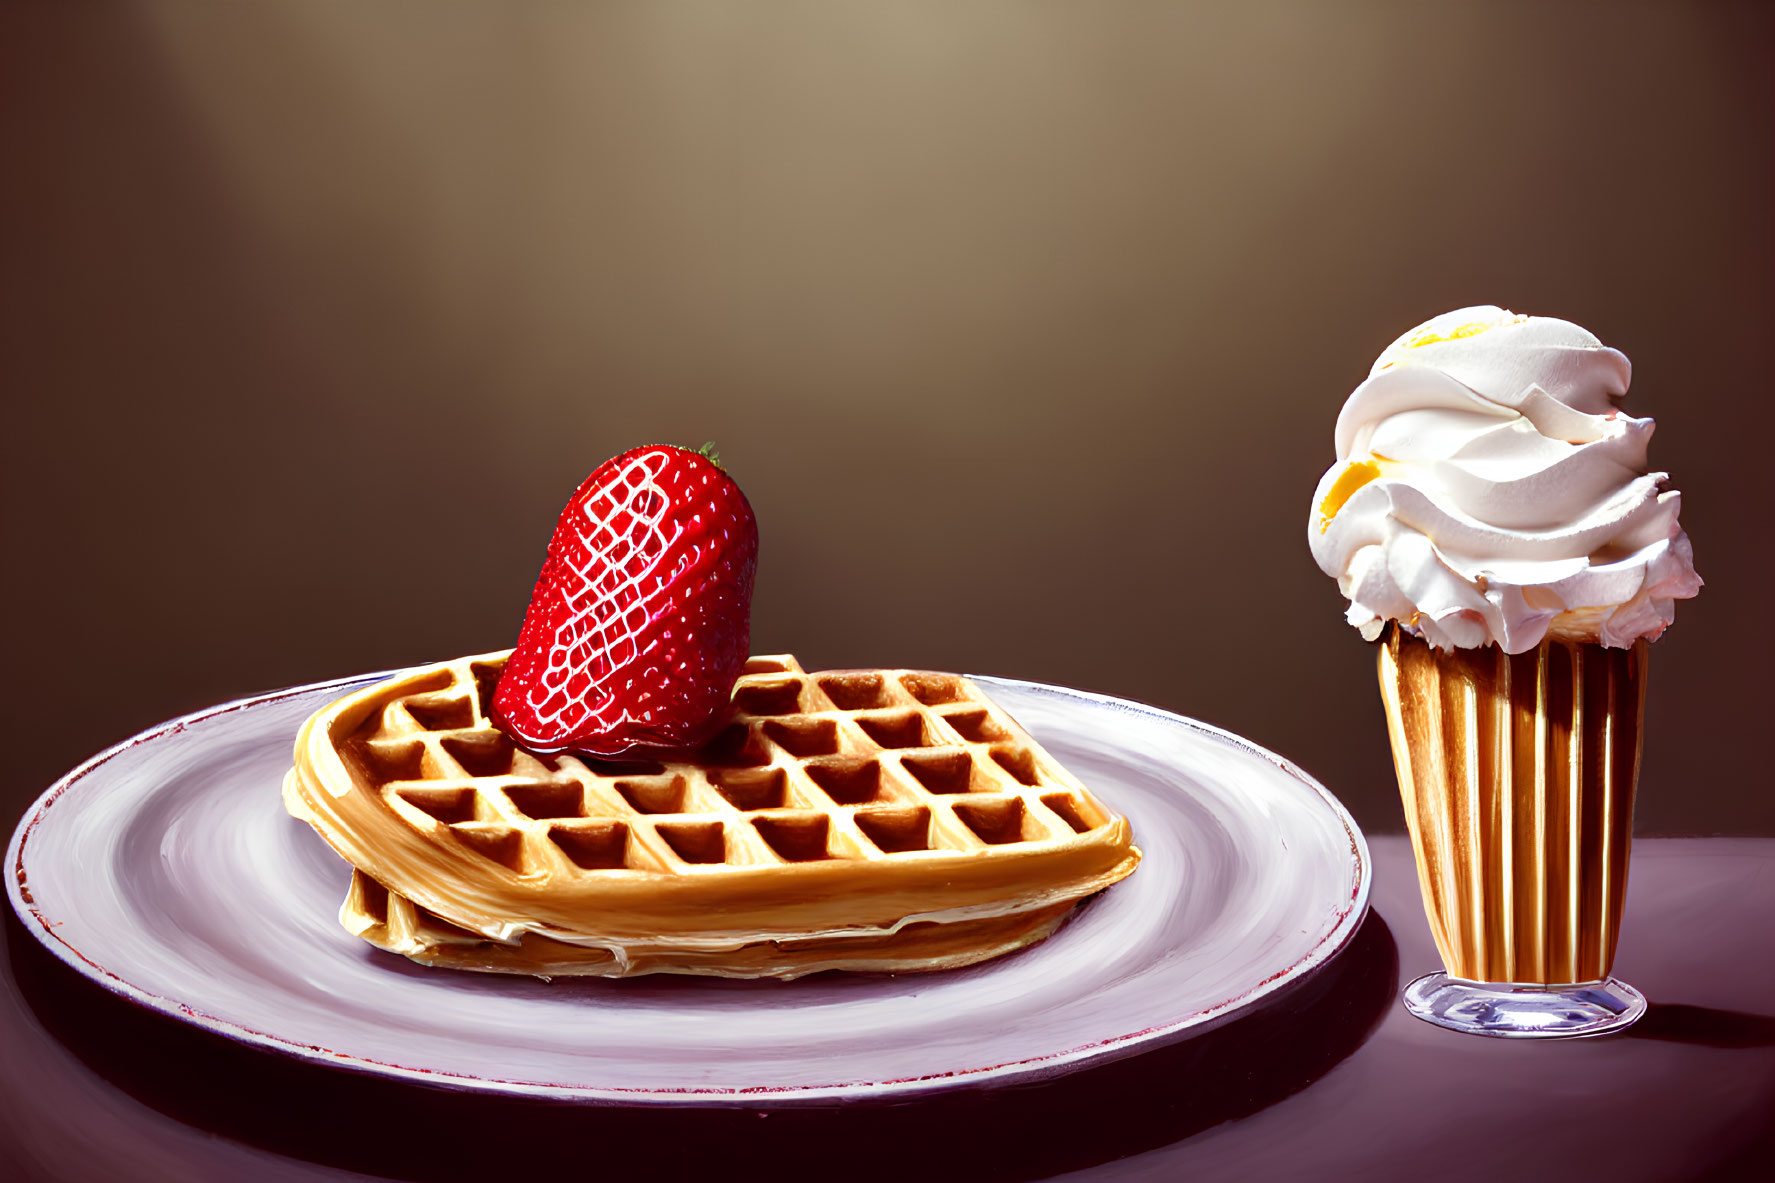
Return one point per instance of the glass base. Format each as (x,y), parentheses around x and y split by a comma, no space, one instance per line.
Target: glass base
(1524,1012)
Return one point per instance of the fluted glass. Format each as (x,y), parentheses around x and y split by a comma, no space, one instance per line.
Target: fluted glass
(1517,774)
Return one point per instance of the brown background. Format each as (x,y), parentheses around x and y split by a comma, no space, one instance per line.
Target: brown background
(1024,327)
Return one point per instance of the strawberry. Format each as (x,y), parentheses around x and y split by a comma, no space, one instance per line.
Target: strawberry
(641,618)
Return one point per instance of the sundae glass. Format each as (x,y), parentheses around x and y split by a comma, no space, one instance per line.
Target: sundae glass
(1491,520)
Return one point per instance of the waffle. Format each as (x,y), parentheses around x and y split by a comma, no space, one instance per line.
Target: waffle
(865,819)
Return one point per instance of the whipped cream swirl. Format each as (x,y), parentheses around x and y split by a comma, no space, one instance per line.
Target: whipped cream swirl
(1489,492)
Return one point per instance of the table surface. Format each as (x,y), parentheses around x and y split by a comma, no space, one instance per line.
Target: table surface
(1332,1080)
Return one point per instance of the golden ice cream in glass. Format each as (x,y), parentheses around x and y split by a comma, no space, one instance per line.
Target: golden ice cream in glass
(1493,523)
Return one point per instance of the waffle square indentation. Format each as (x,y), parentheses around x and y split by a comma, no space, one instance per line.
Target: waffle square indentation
(976,726)
(769,698)
(933,689)
(481,753)
(1070,810)
(803,737)
(735,747)
(905,730)
(1019,762)
(600,845)
(383,762)
(847,781)
(448,805)
(752,788)
(897,829)
(856,692)
(696,842)
(659,794)
(944,772)
(502,844)
(998,820)
(796,837)
(486,682)
(442,714)
(546,801)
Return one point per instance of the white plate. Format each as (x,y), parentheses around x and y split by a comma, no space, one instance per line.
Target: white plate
(167,871)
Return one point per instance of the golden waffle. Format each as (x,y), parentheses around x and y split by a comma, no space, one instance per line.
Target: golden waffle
(882,819)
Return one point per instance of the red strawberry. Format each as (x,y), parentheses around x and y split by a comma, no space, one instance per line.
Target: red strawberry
(641,618)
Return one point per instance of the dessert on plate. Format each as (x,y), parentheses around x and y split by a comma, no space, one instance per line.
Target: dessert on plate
(1493,522)
(627,792)
(880,820)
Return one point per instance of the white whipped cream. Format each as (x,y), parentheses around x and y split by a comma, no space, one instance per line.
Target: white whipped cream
(1488,492)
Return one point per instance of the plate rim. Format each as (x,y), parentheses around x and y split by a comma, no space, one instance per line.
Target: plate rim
(42,928)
